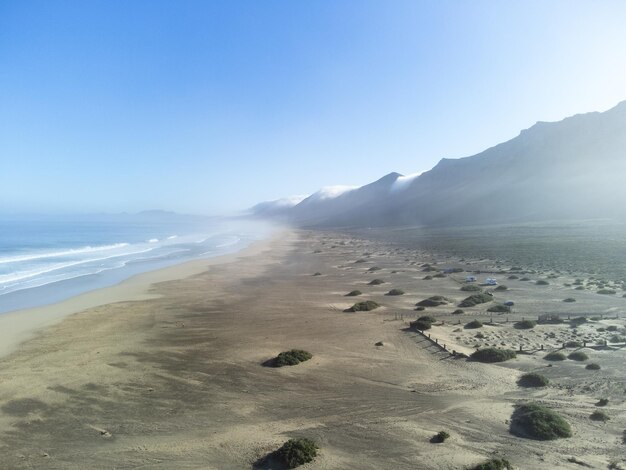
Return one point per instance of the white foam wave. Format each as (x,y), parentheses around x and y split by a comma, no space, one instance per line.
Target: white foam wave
(56,254)
(21,275)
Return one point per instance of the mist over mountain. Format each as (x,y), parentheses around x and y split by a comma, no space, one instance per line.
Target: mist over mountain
(566,170)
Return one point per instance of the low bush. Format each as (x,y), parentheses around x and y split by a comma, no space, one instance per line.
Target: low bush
(494,464)
(476,299)
(471,288)
(599,416)
(353,293)
(291,358)
(579,288)
(578,321)
(554,356)
(578,356)
(513,276)
(440,275)
(542,282)
(473,324)
(593,366)
(611,328)
(493,355)
(479,335)
(420,309)
(499,308)
(296,452)
(364,306)
(421,325)
(532,379)
(607,291)
(569,299)
(525,279)
(317,274)
(501,288)
(395,292)
(433,301)
(374,268)
(573,344)
(525,324)
(458,311)
(428,278)
(440,437)
(617,339)
(376,282)
(602,402)
(535,421)
(427,318)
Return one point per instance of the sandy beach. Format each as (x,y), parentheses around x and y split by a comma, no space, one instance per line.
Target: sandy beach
(166,369)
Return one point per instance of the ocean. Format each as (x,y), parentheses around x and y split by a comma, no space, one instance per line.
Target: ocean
(46,259)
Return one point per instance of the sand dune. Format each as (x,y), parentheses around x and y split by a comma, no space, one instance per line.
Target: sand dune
(175,380)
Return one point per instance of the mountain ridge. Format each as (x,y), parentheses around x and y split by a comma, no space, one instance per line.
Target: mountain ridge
(564,169)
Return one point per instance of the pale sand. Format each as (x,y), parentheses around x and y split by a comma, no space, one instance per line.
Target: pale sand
(21,325)
(174,378)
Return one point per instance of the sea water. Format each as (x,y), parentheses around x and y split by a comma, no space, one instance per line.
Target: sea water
(45,259)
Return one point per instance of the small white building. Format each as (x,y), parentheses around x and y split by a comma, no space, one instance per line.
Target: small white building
(490,281)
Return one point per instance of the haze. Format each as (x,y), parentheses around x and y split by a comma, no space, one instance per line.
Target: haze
(209,107)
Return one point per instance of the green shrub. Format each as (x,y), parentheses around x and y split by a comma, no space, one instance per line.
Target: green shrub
(542,282)
(317,274)
(395,292)
(525,324)
(440,275)
(441,436)
(479,335)
(433,301)
(296,452)
(494,464)
(532,379)
(554,356)
(513,276)
(569,299)
(578,321)
(525,279)
(579,288)
(374,268)
(376,282)
(421,325)
(593,366)
(599,416)
(474,324)
(291,358)
(611,328)
(501,288)
(476,299)
(458,311)
(535,421)
(578,356)
(471,288)
(499,308)
(617,339)
(428,278)
(427,318)
(607,291)
(353,293)
(492,355)
(364,306)
(602,402)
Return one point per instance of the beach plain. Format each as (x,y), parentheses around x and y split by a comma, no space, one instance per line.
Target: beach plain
(171,374)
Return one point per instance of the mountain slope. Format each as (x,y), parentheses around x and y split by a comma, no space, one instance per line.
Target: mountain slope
(571,169)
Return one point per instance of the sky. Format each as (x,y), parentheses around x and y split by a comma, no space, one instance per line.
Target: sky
(212,106)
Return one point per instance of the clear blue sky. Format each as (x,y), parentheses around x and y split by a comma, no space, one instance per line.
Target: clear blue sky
(205,106)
